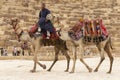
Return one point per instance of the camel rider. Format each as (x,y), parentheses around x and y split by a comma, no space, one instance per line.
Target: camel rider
(45,24)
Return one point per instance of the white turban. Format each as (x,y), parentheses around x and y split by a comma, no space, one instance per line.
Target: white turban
(49,17)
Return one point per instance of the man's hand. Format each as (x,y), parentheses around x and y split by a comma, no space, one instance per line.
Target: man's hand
(46,20)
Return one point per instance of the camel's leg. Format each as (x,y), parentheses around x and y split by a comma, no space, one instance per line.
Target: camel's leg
(36,62)
(107,49)
(35,50)
(68,60)
(81,50)
(55,60)
(100,48)
(81,59)
(42,65)
(74,59)
(34,67)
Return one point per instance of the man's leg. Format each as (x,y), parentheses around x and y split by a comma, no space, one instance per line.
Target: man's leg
(44,33)
(53,34)
(42,27)
(51,29)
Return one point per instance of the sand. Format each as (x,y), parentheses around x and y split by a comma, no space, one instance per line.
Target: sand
(20,70)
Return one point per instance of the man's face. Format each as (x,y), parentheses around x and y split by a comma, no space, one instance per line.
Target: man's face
(42,6)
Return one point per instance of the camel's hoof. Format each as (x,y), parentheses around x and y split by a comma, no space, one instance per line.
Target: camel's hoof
(72,72)
(95,70)
(32,71)
(90,69)
(66,71)
(44,66)
(49,70)
(108,72)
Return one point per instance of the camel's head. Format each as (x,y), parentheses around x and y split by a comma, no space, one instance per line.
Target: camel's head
(14,22)
(56,19)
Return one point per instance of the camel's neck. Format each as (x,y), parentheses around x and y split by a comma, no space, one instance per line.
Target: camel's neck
(18,31)
(65,35)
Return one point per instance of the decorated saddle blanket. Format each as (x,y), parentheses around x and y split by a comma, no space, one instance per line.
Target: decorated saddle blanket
(97,39)
(75,36)
(94,28)
(33,29)
(80,35)
(91,29)
(76,31)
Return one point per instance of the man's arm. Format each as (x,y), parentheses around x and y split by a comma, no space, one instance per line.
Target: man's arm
(40,15)
(48,11)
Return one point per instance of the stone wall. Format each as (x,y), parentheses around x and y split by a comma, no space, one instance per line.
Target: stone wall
(69,11)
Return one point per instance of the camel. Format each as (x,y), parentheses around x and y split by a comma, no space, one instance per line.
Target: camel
(38,42)
(101,46)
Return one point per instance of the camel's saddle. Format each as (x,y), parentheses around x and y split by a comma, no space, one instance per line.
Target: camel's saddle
(33,32)
(91,31)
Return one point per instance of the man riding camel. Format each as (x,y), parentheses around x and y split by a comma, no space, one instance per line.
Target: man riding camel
(45,24)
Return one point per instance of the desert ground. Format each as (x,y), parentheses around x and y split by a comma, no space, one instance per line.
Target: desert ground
(20,70)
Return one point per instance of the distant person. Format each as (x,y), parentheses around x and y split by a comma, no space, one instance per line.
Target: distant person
(24,46)
(5,53)
(2,50)
(14,51)
(18,52)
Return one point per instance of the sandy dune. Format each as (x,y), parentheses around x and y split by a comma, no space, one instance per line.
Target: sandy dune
(19,70)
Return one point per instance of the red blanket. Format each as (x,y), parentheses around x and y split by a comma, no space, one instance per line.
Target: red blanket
(33,29)
(104,30)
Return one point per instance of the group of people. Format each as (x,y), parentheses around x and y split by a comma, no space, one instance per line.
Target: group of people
(15,52)
(3,52)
